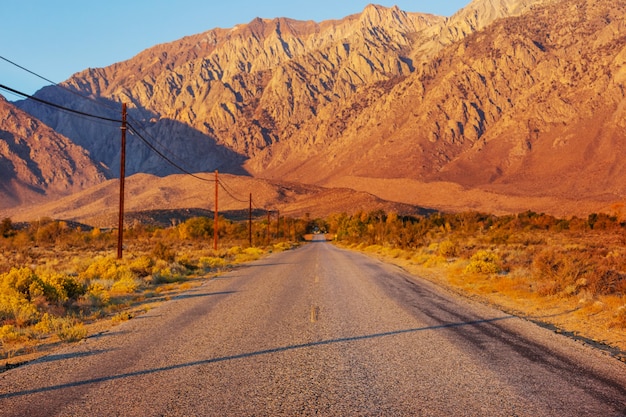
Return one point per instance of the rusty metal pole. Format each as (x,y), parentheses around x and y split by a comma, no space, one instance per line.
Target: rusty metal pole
(120,226)
(215,215)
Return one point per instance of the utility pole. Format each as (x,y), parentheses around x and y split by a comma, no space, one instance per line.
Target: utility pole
(215,215)
(120,227)
(250,222)
(278,225)
(269,231)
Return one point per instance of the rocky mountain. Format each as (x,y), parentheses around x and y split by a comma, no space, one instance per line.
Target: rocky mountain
(516,101)
(37,163)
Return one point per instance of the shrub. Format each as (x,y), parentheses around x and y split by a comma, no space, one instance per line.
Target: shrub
(141,266)
(97,295)
(125,285)
(17,309)
(102,268)
(557,271)
(484,262)
(163,272)
(9,333)
(71,330)
(619,320)
(210,262)
(18,280)
(234,251)
(248,255)
(447,249)
(163,252)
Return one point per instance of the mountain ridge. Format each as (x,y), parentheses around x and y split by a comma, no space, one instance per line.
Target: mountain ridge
(518,98)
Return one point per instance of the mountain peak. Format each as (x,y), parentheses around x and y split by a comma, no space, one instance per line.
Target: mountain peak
(506,96)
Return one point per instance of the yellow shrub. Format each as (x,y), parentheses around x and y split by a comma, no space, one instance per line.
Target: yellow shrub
(281,246)
(141,265)
(97,295)
(447,249)
(101,268)
(211,262)
(234,251)
(9,334)
(125,285)
(434,261)
(248,255)
(17,279)
(15,307)
(71,330)
(484,262)
(164,272)
(619,320)
(47,324)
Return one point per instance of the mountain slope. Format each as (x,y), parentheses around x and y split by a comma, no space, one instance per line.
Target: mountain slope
(521,98)
(37,163)
(531,105)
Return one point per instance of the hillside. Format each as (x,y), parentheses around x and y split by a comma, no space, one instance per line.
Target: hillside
(36,163)
(506,106)
(168,199)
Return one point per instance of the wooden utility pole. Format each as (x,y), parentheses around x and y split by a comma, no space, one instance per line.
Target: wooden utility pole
(120,226)
(250,222)
(215,215)
(269,231)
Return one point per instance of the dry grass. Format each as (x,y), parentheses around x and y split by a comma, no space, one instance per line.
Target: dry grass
(562,273)
(65,284)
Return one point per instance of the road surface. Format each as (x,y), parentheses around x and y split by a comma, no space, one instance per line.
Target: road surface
(319,331)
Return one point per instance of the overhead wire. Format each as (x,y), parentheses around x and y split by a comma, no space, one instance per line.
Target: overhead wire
(230,192)
(165,158)
(108,119)
(58,106)
(93,100)
(132,127)
(59,85)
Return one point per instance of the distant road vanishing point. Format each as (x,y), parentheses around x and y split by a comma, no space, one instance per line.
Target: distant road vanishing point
(319,331)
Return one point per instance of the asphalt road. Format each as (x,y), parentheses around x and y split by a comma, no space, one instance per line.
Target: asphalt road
(320,331)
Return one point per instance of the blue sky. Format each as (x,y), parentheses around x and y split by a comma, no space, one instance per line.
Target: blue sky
(59,38)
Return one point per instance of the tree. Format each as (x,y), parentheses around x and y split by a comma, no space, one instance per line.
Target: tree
(6,227)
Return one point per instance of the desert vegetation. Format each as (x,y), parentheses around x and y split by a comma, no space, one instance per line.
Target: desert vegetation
(570,273)
(58,280)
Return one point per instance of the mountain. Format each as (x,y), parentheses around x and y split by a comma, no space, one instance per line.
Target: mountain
(37,163)
(508,105)
(166,200)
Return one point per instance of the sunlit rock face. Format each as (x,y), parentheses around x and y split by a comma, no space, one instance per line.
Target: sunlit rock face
(523,98)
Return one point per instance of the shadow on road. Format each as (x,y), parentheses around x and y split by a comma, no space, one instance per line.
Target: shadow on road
(246,355)
(65,356)
(205,294)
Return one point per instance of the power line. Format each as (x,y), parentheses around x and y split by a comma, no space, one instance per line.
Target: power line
(58,106)
(85,114)
(27,70)
(165,158)
(98,102)
(231,192)
(69,90)
(132,128)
